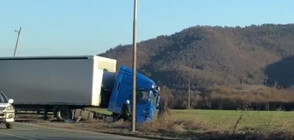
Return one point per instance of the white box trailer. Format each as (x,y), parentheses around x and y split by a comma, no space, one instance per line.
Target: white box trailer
(52,82)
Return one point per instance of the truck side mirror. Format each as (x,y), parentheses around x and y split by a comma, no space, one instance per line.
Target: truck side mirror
(10,101)
(158,88)
(157,101)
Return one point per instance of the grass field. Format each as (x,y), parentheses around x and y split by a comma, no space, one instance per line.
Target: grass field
(230,119)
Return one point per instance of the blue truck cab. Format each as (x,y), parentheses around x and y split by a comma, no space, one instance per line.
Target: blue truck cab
(147,92)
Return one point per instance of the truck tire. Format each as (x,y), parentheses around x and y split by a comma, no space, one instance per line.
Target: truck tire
(9,125)
(63,113)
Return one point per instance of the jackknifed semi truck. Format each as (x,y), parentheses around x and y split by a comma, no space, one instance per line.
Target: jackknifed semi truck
(65,83)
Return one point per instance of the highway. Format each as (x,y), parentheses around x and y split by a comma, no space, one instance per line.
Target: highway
(24,131)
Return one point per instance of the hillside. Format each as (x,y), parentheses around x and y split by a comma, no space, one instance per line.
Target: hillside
(216,56)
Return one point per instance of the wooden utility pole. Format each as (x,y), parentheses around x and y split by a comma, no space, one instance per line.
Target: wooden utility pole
(189,86)
(18,35)
(134,66)
(189,94)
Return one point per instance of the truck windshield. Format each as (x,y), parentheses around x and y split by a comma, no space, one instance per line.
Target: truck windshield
(142,96)
(3,99)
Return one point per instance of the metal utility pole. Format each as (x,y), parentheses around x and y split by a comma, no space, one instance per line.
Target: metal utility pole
(18,35)
(134,66)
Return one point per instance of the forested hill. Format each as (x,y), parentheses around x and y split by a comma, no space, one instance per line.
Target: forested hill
(216,56)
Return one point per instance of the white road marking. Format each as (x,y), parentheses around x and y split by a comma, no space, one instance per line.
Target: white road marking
(11,135)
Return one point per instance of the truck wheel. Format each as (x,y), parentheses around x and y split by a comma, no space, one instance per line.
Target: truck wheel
(9,125)
(64,113)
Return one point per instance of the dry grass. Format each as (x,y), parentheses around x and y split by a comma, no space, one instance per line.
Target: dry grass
(171,127)
(258,99)
(253,95)
(232,98)
(168,124)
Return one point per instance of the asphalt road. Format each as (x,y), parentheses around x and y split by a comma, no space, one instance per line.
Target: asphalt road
(22,131)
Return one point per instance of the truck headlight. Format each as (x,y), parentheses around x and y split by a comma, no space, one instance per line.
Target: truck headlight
(9,108)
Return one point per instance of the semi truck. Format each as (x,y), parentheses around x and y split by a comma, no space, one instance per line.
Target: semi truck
(66,83)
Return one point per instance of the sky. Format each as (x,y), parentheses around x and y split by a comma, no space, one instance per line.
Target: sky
(88,27)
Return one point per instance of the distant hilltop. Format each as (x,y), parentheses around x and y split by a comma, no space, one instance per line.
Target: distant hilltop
(208,56)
